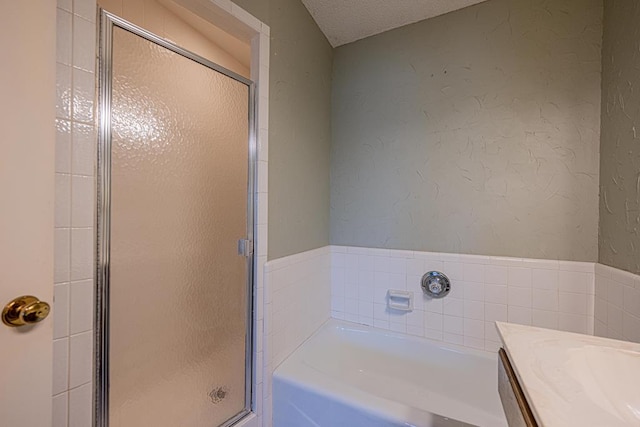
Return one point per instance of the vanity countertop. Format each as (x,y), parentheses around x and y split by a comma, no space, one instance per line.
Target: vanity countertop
(575,380)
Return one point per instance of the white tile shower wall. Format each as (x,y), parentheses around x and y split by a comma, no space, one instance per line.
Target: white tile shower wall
(260,45)
(485,289)
(617,304)
(75,201)
(297,302)
(74,214)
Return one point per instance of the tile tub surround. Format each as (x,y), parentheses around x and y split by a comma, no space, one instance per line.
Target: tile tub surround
(299,299)
(297,296)
(617,304)
(545,293)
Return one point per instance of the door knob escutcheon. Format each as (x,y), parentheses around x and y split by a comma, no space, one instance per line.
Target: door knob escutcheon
(24,310)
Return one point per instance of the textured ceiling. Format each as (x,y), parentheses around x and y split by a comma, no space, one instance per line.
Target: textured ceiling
(345,21)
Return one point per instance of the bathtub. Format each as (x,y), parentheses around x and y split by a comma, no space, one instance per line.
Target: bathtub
(358,376)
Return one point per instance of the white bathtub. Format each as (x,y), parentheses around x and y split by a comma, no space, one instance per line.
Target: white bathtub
(351,375)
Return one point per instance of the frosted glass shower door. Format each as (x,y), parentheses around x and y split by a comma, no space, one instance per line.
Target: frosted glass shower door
(179,202)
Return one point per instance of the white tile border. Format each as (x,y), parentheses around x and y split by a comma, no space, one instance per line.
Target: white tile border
(75,195)
(260,44)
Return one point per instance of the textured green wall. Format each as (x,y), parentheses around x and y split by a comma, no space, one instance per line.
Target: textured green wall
(299,127)
(473,132)
(620,137)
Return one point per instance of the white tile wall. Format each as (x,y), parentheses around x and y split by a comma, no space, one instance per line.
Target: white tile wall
(75,201)
(299,292)
(617,304)
(260,47)
(552,294)
(74,210)
(297,298)
(545,293)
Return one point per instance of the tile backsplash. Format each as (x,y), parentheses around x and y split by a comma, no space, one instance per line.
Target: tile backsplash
(484,289)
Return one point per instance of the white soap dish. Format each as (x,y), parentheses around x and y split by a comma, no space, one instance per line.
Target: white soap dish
(400,300)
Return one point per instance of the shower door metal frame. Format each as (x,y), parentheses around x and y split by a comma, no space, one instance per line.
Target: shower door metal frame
(103,213)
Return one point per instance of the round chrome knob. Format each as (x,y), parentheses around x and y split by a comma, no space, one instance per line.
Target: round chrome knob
(435,284)
(25,310)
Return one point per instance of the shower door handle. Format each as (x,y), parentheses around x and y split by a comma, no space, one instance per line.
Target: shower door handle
(245,247)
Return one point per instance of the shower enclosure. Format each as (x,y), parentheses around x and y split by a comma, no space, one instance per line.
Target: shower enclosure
(175,235)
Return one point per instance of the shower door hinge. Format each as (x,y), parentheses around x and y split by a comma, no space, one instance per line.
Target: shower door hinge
(245,247)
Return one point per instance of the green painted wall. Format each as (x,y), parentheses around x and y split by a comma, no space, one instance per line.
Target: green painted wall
(473,132)
(620,138)
(299,126)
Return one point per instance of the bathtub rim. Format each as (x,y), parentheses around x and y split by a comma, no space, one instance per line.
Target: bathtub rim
(333,323)
(295,372)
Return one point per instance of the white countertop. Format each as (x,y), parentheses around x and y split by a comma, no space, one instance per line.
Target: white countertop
(575,380)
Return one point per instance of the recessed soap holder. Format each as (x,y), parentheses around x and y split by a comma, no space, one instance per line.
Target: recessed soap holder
(400,300)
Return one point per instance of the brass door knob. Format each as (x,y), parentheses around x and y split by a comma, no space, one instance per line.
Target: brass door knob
(25,310)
